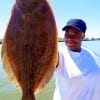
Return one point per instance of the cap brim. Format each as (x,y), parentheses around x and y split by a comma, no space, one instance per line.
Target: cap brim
(67,27)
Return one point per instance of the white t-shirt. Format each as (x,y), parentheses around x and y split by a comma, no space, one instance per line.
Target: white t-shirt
(79,82)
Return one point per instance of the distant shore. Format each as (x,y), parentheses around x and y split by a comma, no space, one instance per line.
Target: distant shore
(62,40)
(85,39)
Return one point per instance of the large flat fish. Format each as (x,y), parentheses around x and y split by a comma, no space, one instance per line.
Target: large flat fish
(29,49)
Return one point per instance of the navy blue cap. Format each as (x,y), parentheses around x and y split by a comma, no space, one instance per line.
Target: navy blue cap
(77,24)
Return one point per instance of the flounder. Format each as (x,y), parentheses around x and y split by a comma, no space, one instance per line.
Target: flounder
(29,49)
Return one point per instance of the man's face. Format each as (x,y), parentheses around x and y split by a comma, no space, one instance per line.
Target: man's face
(73,38)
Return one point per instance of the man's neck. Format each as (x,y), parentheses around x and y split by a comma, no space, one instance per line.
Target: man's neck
(77,50)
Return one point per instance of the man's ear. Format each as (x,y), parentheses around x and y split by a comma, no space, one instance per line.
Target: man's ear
(83,36)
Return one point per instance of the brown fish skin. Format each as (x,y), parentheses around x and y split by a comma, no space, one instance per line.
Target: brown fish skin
(29,49)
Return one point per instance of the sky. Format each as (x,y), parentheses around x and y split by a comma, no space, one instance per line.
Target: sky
(63,10)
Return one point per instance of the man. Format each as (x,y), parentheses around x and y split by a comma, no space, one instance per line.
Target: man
(77,74)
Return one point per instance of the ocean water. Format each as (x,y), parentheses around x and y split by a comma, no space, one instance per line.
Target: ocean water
(8,91)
